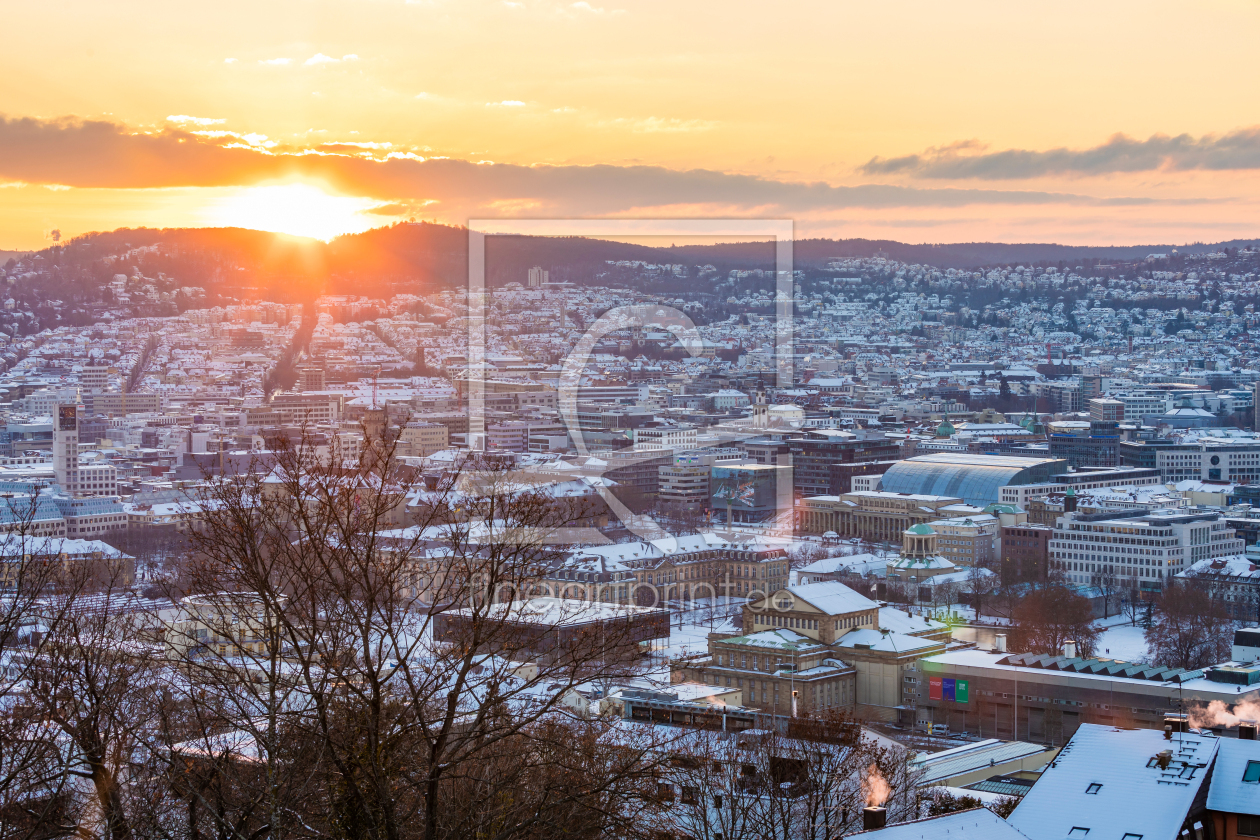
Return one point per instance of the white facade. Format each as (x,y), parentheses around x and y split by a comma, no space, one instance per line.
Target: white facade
(1147,548)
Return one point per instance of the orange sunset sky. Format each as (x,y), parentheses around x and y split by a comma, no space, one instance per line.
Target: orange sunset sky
(1090,123)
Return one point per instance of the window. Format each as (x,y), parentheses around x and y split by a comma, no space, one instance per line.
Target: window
(1249,824)
(1129,835)
(1077,831)
(1252,773)
(1093,788)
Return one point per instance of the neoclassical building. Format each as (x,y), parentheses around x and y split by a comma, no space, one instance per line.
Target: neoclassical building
(820,646)
(874,515)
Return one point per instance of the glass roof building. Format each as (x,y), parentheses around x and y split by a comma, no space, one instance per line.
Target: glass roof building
(977,479)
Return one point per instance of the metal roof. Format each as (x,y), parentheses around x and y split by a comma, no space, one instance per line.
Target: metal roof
(942,766)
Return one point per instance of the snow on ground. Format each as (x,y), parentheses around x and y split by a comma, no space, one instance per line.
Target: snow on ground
(1122,642)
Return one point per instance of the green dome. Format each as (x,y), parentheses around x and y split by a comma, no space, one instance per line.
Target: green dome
(1028,422)
(945,429)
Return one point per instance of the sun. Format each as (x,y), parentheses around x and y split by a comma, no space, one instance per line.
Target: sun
(299,209)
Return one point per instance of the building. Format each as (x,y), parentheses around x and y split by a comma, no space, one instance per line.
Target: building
(1210,460)
(1025,551)
(1079,481)
(977,479)
(1139,546)
(659,434)
(538,277)
(875,516)
(514,435)
(979,823)
(1233,582)
(311,379)
(422,439)
(1118,783)
(73,475)
(1045,699)
(1106,410)
(1084,444)
(824,460)
(1232,804)
(17,549)
(968,540)
(306,409)
(120,403)
(96,377)
(543,626)
(684,486)
(669,569)
(919,563)
(750,493)
(817,647)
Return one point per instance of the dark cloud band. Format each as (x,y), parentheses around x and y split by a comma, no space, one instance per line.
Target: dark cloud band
(95,153)
(1236,150)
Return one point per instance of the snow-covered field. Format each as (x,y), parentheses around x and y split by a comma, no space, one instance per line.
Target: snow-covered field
(1122,642)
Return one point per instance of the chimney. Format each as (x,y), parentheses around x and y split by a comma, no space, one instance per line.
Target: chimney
(1069,649)
(1163,759)
(1247,731)
(1000,641)
(1175,722)
(874,817)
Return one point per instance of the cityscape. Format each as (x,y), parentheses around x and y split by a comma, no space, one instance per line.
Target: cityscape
(508,454)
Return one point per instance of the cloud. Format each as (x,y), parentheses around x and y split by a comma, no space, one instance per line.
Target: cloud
(665,125)
(506,103)
(102,154)
(229,61)
(583,6)
(1235,150)
(184,119)
(320,58)
(276,62)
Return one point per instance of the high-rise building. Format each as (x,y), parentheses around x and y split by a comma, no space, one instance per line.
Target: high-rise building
(537,277)
(75,477)
(66,447)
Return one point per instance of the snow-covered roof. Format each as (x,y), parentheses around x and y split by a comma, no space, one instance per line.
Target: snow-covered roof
(975,824)
(831,598)
(1105,783)
(1228,792)
(866,639)
(780,638)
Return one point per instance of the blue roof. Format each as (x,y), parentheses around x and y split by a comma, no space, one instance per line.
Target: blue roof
(976,479)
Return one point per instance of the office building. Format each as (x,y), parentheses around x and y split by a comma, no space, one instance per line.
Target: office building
(1144,547)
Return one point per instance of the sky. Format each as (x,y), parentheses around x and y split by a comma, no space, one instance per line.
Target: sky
(1080,123)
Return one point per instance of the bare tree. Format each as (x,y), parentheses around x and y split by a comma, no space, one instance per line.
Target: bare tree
(761,784)
(1191,629)
(99,688)
(398,668)
(1047,617)
(36,790)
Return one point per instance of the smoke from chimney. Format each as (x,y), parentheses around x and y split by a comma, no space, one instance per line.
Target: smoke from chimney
(874,787)
(1217,713)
